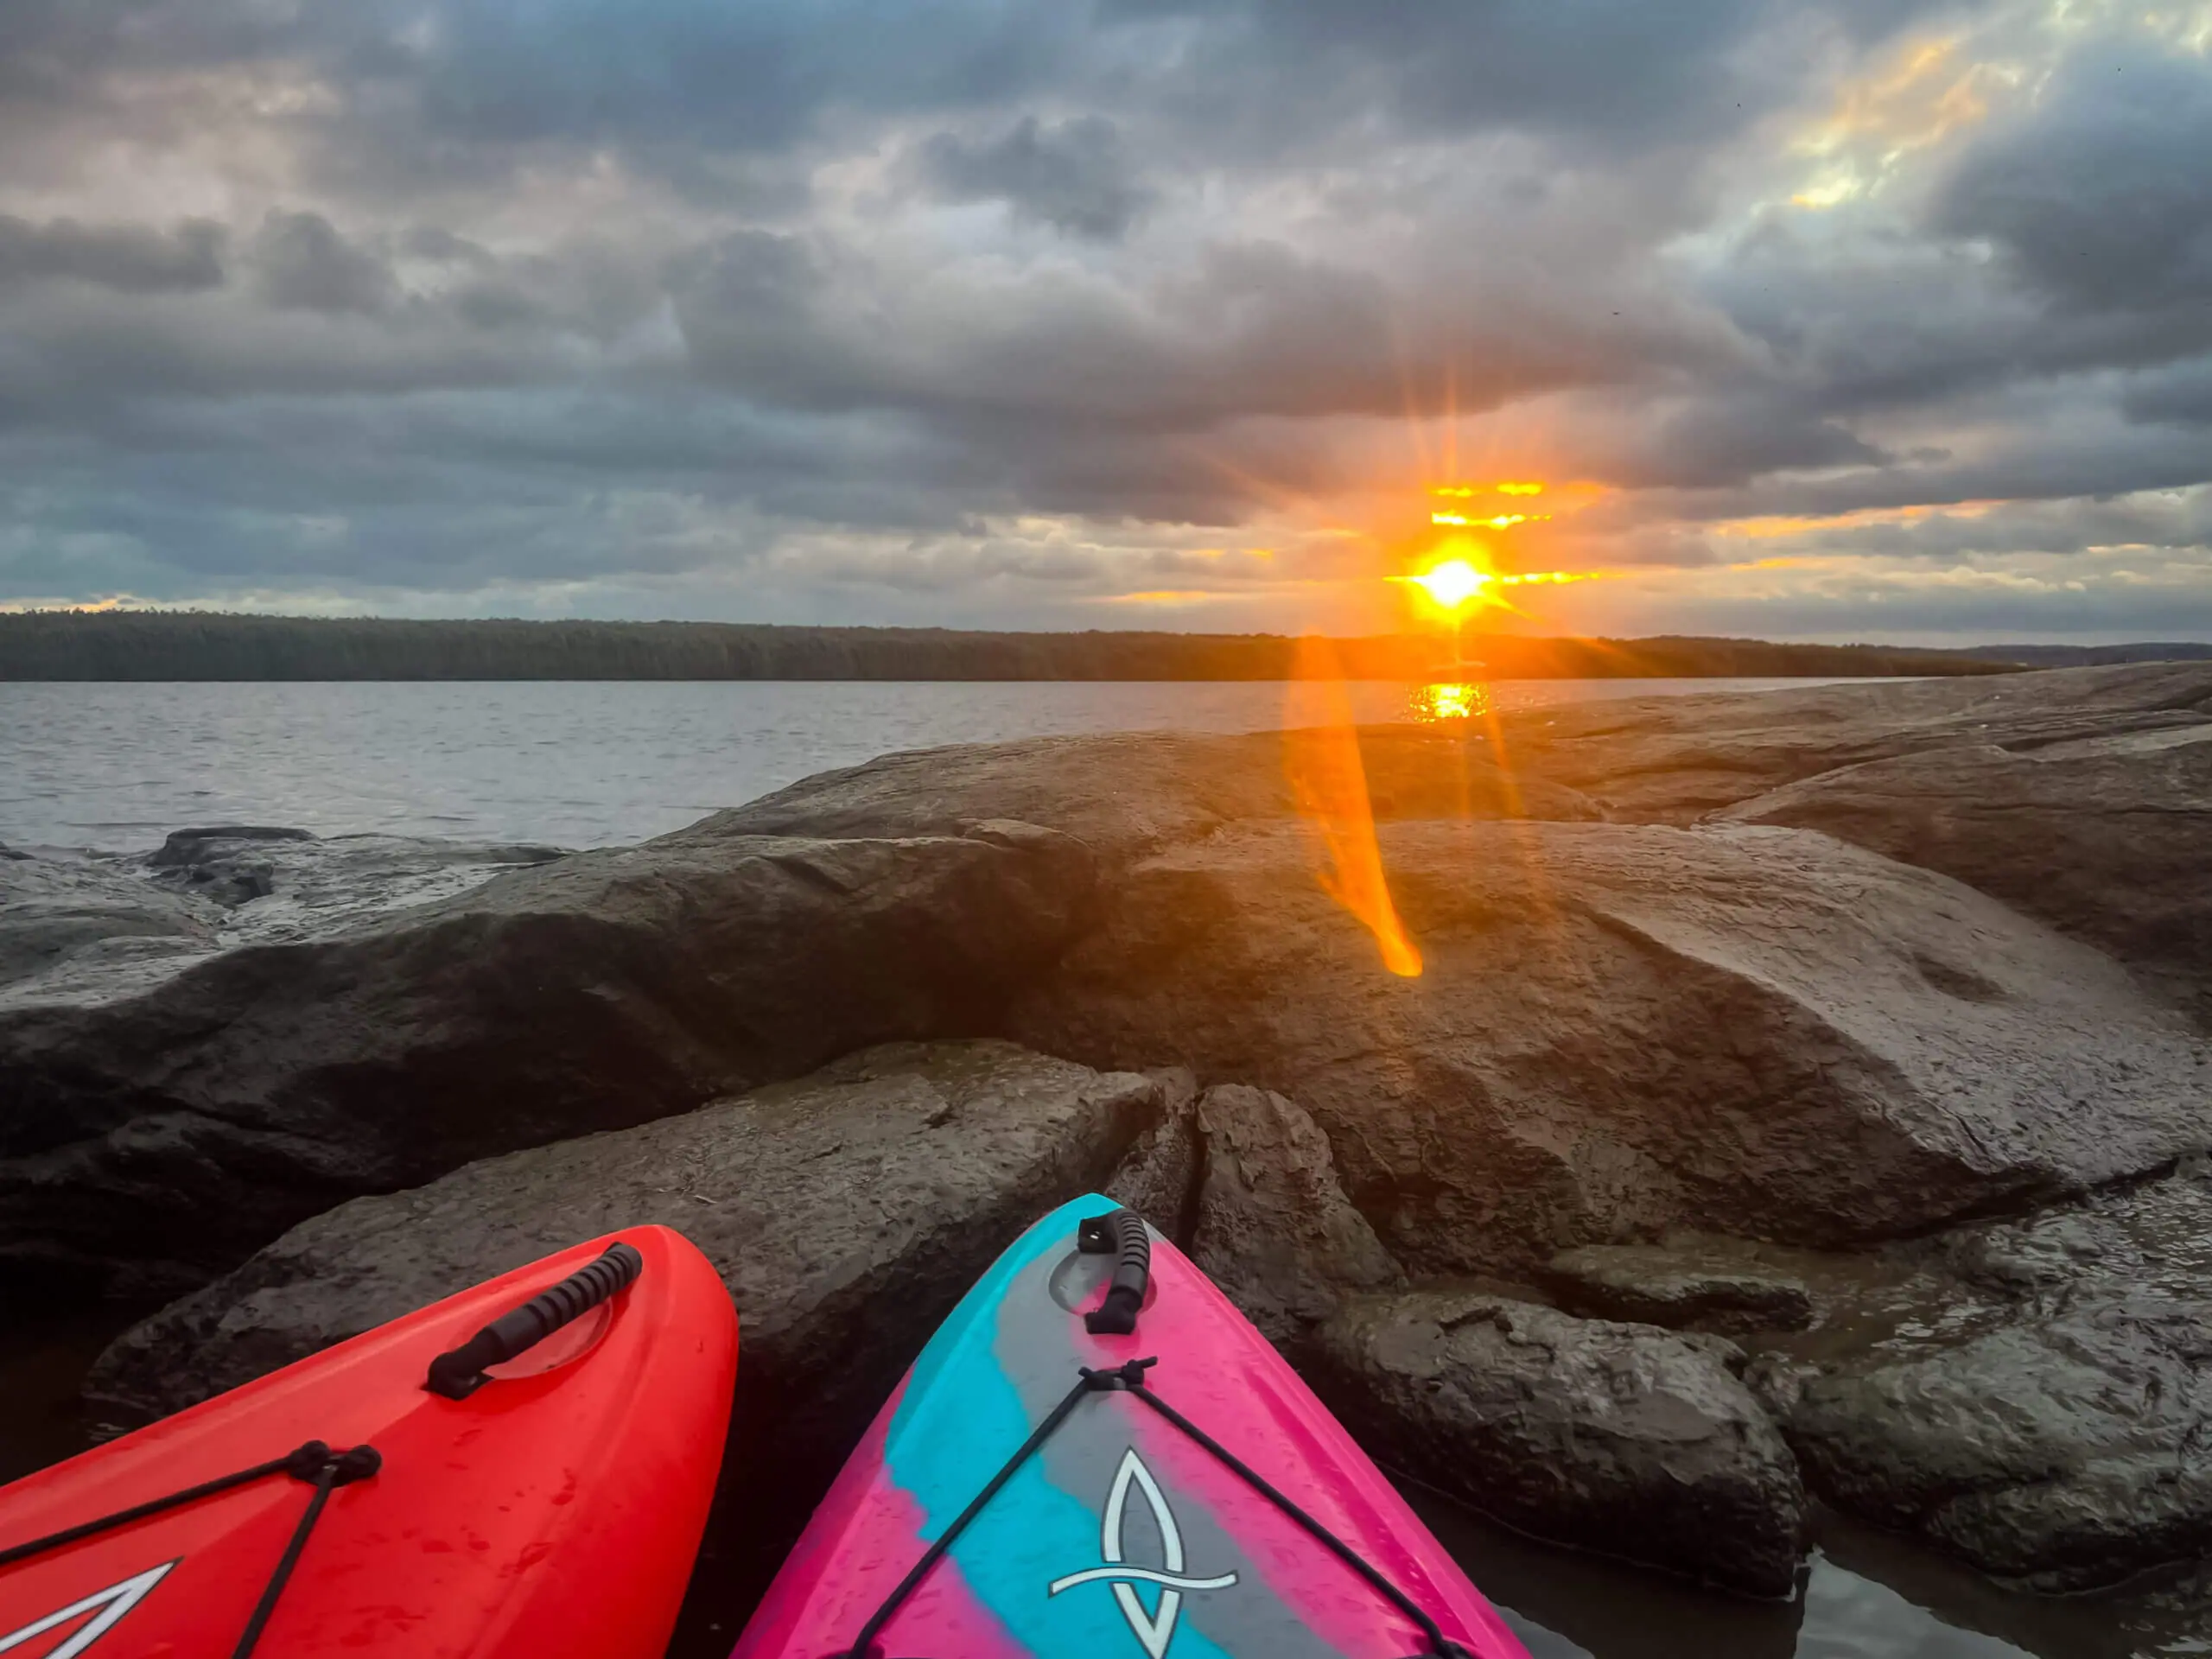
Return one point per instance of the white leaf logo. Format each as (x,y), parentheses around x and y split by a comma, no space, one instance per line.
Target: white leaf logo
(1154,1630)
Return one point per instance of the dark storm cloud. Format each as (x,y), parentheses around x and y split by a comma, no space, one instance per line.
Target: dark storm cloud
(2103,198)
(1719,440)
(2181,393)
(1228,330)
(134,258)
(1074,176)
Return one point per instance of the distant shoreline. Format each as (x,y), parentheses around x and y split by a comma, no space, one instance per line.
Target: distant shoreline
(155,645)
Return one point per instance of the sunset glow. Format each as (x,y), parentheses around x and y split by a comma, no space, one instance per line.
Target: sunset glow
(1500,521)
(1468,492)
(1449,701)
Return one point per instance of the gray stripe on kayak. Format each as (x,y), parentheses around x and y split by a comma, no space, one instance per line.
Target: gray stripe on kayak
(1035,1348)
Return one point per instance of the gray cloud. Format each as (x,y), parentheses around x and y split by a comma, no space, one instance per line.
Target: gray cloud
(305,265)
(606,295)
(134,258)
(1073,176)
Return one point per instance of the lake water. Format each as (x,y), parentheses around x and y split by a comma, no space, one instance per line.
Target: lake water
(573,763)
(117,766)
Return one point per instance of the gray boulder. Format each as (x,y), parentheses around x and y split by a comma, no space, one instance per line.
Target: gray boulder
(1621,1439)
(149,1142)
(1686,1283)
(219,863)
(1160,1177)
(846,1211)
(1274,1230)
(182,848)
(2048,1427)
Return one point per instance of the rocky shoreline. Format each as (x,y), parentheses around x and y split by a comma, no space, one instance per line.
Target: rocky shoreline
(1807,1100)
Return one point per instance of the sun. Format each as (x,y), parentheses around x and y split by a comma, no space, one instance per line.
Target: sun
(1453,585)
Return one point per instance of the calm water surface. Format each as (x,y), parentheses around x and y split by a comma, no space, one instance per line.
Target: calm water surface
(586,764)
(573,763)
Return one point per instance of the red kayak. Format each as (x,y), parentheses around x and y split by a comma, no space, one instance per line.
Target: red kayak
(523,1469)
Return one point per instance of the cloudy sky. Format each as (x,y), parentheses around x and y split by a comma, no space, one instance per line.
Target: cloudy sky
(1869,319)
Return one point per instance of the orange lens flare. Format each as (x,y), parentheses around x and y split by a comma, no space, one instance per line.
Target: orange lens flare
(1320,759)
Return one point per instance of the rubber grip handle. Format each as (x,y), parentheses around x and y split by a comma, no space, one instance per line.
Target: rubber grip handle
(459,1372)
(1123,1232)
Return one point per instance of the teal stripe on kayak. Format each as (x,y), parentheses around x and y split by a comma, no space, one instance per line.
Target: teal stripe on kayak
(961,1418)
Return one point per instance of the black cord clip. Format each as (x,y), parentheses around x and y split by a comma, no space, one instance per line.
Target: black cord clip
(1127,1374)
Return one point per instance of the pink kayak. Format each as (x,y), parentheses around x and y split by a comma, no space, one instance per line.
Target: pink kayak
(1097,1455)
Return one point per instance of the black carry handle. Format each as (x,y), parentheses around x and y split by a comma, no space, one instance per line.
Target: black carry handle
(1123,1232)
(460,1373)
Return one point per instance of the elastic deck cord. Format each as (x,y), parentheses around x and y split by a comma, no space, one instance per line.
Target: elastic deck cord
(313,1462)
(1129,1378)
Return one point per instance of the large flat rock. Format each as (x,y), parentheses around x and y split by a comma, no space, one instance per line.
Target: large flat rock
(149,1141)
(1670,760)
(83,930)
(1625,1028)
(1127,795)
(2108,838)
(108,921)
(1618,1438)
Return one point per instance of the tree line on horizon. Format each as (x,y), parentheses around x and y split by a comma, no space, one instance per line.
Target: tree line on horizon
(211,646)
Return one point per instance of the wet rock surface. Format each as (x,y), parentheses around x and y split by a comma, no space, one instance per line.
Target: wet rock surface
(1273,1229)
(1623,1439)
(1127,795)
(219,863)
(153,1141)
(1684,1284)
(846,1211)
(95,929)
(2108,838)
(57,909)
(2059,1439)
(1672,759)
(1624,1028)
(1159,1175)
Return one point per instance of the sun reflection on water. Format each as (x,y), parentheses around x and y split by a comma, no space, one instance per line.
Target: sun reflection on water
(1449,701)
